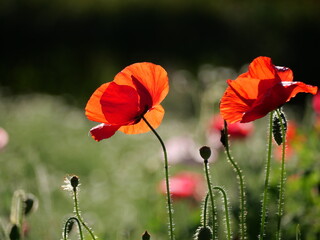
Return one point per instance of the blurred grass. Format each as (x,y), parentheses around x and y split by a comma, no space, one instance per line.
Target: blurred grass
(119,176)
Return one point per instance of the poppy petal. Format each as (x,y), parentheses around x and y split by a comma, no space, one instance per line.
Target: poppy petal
(261,68)
(275,98)
(285,74)
(232,106)
(145,97)
(93,108)
(154,117)
(153,77)
(119,104)
(103,131)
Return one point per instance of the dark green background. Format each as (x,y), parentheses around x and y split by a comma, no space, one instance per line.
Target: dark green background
(71,47)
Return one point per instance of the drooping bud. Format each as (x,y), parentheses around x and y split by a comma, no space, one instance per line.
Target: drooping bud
(205,152)
(276,127)
(31,204)
(70,225)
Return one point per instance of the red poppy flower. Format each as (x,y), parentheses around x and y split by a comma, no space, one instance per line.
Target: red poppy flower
(262,89)
(135,92)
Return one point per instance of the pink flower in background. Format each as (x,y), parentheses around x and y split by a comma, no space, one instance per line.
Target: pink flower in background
(236,130)
(4,138)
(183,150)
(316,103)
(185,185)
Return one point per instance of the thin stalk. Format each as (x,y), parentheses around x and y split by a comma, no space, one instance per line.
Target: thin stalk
(214,222)
(66,227)
(226,209)
(77,211)
(266,182)
(205,206)
(166,168)
(243,211)
(282,178)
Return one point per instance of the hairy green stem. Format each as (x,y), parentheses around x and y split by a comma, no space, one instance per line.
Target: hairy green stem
(66,227)
(243,211)
(166,167)
(204,214)
(214,222)
(226,209)
(266,183)
(282,177)
(77,211)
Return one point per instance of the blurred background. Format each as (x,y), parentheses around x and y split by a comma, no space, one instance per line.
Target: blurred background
(54,54)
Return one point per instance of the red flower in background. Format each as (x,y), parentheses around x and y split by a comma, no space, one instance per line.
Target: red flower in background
(236,130)
(262,89)
(185,185)
(292,137)
(135,92)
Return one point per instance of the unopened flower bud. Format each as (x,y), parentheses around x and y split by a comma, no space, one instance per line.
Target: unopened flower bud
(31,204)
(205,152)
(203,233)
(74,181)
(14,233)
(146,236)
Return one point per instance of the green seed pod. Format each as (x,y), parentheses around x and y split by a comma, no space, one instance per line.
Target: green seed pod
(204,233)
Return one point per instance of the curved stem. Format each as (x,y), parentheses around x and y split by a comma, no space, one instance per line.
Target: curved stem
(243,211)
(214,224)
(169,204)
(77,211)
(66,226)
(205,206)
(282,177)
(226,209)
(266,183)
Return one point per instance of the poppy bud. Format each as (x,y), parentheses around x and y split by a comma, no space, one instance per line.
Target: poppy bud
(31,204)
(204,233)
(146,236)
(74,181)
(276,127)
(205,152)
(70,225)
(14,233)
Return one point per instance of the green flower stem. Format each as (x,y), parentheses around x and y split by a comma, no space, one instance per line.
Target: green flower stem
(166,167)
(282,177)
(298,233)
(204,214)
(214,222)
(266,183)
(77,211)
(243,211)
(226,209)
(66,227)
